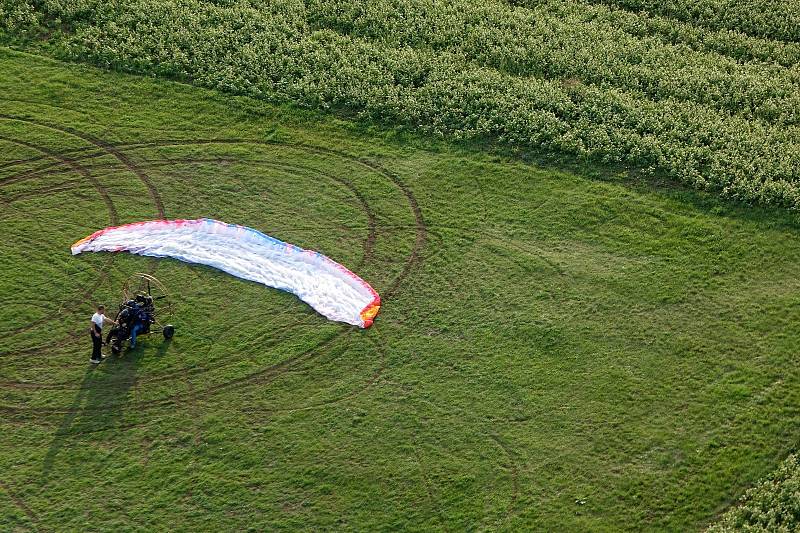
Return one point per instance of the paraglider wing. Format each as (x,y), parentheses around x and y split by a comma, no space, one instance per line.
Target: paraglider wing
(331,289)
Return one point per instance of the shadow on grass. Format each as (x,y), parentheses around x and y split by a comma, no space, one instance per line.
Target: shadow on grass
(163,347)
(100,402)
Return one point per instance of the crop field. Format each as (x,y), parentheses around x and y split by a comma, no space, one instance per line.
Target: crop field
(702,92)
(558,349)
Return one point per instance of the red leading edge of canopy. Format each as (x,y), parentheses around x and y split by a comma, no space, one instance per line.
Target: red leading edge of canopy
(367,314)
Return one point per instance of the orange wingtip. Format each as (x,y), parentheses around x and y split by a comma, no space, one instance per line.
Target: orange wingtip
(368,314)
(78,243)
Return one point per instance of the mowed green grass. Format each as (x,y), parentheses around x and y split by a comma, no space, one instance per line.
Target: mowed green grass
(555,351)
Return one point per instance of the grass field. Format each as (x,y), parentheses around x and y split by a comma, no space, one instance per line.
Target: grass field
(561,350)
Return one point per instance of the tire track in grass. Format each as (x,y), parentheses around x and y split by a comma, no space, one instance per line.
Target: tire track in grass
(275,371)
(368,245)
(21,505)
(491,434)
(268,374)
(294,363)
(112,210)
(105,146)
(74,166)
(37,158)
(371,227)
(64,186)
(420,225)
(514,470)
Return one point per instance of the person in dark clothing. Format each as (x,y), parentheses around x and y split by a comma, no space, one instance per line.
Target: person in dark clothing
(136,321)
(98,319)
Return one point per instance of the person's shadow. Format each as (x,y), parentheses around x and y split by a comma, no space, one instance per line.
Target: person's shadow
(100,402)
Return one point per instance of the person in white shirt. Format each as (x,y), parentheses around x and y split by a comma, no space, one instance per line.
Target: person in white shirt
(98,319)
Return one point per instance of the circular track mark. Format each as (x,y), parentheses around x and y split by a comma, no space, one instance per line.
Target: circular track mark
(268,374)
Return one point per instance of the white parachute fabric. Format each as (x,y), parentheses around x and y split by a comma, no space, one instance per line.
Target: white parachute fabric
(328,287)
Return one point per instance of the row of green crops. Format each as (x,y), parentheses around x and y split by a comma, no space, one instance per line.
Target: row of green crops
(730,43)
(558,40)
(775,19)
(715,109)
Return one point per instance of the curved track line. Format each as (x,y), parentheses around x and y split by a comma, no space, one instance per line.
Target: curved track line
(269,373)
(75,167)
(21,504)
(108,147)
(368,244)
(514,469)
(291,364)
(114,219)
(369,241)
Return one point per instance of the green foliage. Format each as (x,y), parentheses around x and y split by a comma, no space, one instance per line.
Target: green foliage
(773,505)
(18,18)
(774,19)
(708,106)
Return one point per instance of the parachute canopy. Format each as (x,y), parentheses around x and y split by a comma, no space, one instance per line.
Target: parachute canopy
(331,289)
